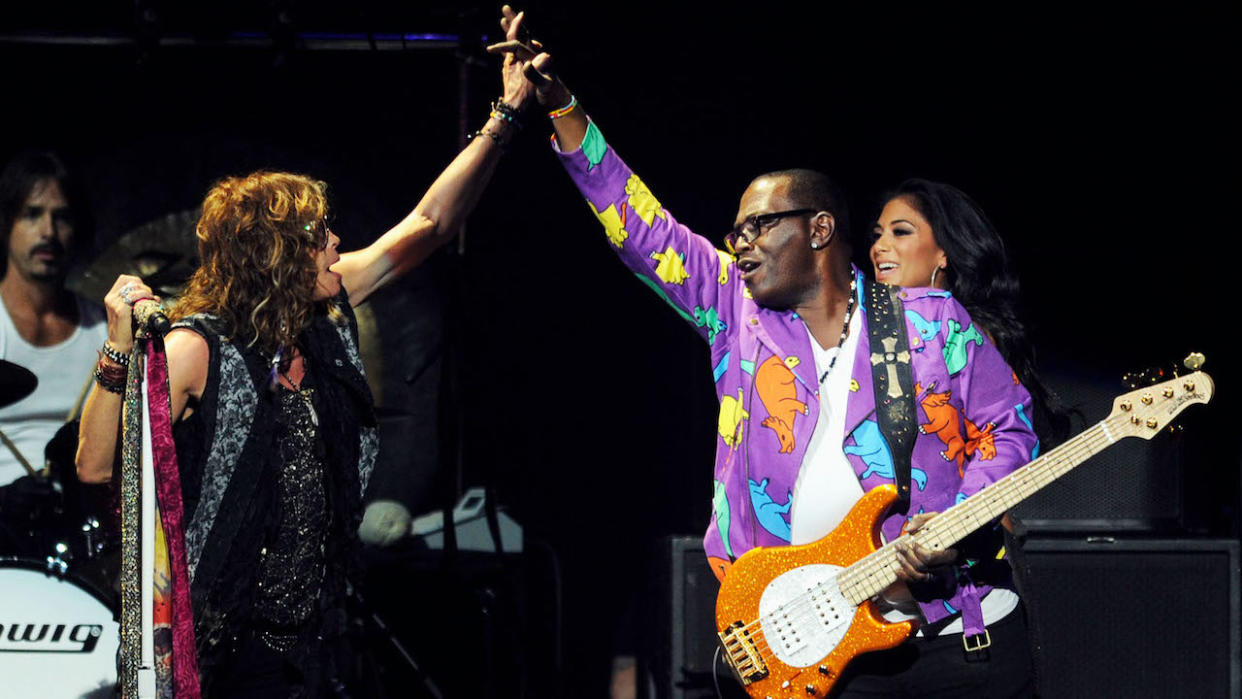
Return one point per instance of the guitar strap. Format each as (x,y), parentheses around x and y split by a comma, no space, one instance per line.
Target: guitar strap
(894,410)
(891,379)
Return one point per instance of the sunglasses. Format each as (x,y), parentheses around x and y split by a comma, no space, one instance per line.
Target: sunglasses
(324,228)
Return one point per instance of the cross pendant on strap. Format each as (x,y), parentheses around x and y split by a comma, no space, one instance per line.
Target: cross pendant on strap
(890,358)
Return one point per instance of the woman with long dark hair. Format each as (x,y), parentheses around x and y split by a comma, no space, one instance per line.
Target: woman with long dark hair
(932,234)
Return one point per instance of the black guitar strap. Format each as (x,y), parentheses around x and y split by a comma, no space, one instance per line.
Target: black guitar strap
(892,380)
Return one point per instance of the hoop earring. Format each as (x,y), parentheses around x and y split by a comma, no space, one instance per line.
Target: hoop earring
(933,279)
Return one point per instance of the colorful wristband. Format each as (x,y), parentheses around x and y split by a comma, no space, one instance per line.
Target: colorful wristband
(500,110)
(564,111)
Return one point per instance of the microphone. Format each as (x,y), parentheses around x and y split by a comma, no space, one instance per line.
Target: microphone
(149,314)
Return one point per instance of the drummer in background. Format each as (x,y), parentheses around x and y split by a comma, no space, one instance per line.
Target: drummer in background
(44,327)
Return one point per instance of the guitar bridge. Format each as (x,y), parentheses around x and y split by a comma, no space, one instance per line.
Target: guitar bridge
(743,657)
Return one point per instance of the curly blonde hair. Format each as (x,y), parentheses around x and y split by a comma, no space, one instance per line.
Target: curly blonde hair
(257,237)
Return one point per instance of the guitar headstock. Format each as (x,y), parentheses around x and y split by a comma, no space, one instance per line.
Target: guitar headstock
(1150,409)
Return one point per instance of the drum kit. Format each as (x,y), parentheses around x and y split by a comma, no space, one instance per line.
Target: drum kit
(59,548)
(58,604)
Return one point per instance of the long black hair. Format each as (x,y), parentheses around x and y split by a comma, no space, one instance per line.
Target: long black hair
(981,279)
(18,179)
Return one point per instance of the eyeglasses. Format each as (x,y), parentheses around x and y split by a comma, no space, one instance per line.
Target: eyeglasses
(755,226)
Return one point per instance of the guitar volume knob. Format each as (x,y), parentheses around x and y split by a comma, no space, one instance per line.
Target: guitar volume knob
(810,689)
(1127,405)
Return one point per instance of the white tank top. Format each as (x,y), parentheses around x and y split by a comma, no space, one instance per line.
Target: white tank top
(62,370)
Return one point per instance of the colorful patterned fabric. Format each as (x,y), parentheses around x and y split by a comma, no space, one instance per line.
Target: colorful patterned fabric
(969,404)
(176,671)
(176,666)
(162,614)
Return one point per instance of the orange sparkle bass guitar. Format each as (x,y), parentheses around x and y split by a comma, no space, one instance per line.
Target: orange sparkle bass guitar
(790,618)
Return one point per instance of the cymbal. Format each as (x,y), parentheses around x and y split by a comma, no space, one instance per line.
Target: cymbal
(164,252)
(16,382)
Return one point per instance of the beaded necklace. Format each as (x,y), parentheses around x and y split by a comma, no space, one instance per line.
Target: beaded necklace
(845,329)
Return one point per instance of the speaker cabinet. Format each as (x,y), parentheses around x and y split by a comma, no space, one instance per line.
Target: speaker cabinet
(1133,486)
(1134,618)
(677,659)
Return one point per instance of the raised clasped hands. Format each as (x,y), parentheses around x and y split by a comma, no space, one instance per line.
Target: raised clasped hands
(527,67)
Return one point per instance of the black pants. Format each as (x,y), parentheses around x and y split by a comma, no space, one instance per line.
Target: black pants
(258,672)
(941,667)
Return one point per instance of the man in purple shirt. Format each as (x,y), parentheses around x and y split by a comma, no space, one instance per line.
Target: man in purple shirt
(798,440)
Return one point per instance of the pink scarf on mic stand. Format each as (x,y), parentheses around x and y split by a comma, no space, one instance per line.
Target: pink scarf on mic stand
(172,581)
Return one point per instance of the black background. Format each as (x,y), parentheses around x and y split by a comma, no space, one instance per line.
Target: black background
(1099,142)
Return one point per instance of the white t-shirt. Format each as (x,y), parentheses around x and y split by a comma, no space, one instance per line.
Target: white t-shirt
(62,370)
(827,486)
(825,470)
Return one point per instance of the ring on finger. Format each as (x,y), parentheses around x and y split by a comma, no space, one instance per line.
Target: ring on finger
(125,292)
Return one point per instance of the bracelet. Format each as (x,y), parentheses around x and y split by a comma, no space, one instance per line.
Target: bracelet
(112,372)
(500,110)
(564,111)
(110,385)
(114,354)
(490,134)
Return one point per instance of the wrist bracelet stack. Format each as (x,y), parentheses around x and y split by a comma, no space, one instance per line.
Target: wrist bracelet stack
(111,377)
(114,354)
(112,369)
(564,111)
(502,111)
(507,115)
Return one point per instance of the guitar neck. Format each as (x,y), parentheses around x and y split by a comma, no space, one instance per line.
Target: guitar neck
(873,573)
(957,522)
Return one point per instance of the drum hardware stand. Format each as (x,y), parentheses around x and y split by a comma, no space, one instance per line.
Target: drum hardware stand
(58,564)
(367,616)
(90,534)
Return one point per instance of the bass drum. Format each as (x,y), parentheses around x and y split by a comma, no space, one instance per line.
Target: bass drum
(58,634)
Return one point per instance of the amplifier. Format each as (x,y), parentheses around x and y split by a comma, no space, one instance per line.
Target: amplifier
(1134,618)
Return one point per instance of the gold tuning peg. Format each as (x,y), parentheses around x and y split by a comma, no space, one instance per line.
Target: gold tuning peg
(1194,360)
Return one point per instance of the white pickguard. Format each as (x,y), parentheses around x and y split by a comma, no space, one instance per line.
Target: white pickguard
(804,615)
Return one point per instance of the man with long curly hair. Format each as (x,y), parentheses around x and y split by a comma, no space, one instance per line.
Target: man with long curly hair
(272,419)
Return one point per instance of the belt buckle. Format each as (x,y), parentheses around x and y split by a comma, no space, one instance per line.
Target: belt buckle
(982,640)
